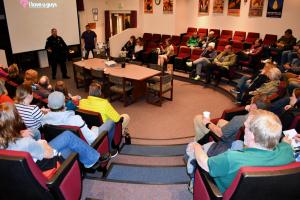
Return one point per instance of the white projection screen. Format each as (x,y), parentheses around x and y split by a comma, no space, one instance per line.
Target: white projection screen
(30,22)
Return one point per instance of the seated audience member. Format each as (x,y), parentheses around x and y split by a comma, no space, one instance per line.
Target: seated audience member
(293,66)
(14,136)
(252,53)
(71,102)
(3,94)
(95,103)
(15,77)
(289,55)
(43,88)
(31,77)
(261,95)
(193,41)
(262,148)
(32,115)
(59,116)
(221,64)
(286,42)
(167,53)
(210,38)
(138,50)
(285,103)
(247,84)
(129,46)
(206,57)
(293,81)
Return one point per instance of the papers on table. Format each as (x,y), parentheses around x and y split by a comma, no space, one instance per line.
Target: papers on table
(110,63)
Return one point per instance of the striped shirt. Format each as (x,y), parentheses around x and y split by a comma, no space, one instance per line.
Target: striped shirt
(31,115)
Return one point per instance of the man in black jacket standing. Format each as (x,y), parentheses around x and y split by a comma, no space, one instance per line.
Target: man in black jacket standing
(57,53)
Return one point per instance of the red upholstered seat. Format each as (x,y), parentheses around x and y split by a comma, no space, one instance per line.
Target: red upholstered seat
(184,40)
(22,178)
(202,32)
(156,38)
(269,39)
(226,35)
(196,52)
(221,45)
(216,32)
(190,31)
(276,183)
(251,37)
(237,46)
(175,40)
(239,36)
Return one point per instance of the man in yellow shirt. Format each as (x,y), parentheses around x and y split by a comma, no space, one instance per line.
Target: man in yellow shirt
(95,103)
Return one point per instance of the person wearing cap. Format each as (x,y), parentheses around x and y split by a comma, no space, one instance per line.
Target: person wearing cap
(88,41)
(59,116)
(206,57)
(208,39)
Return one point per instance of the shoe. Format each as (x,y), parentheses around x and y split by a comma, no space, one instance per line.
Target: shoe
(103,159)
(66,77)
(197,78)
(189,64)
(235,91)
(114,153)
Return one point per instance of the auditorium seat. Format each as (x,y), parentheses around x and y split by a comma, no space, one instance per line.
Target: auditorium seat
(269,40)
(221,45)
(164,37)
(183,54)
(226,35)
(184,40)
(251,37)
(239,36)
(196,52)
(276,183)
(237,46)
(147,37)
(216,32)
(91,118)
(22,178)
(156,38)
(202,32)
(190,31)
(175,40)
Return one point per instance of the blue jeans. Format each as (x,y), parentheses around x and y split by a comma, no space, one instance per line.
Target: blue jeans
(108,126)
(288,56)
(67,142)
(242,86)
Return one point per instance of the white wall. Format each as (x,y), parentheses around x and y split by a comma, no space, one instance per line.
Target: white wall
(289,19)
(3,60)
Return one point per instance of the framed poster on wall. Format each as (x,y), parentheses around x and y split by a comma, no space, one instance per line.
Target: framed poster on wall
(234,7)
(275,8)
(218,6)
(168,6)
(203,7)
(256,8)
(148,6)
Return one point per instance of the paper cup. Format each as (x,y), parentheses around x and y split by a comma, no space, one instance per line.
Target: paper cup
(206,114)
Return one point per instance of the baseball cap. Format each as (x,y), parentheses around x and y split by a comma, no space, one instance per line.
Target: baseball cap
(56,100)
(211,44)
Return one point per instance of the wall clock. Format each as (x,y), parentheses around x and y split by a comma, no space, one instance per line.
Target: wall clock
(157,2)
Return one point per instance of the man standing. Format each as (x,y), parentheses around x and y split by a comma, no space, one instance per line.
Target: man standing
(57,53)
(88,41)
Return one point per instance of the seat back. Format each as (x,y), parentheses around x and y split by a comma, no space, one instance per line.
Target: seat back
(156,38)
(280,182)
(184,52)
(190,31)
(237,46)
(226,35)
(251,37)
(21,178)
(202,32)
(269,39)
(147,37)
(216,32)
(91,118)
(239,36)
(51,131)
(184,40)
(196,52)
(164,37)
(221,45)
(175,40)
(150,46)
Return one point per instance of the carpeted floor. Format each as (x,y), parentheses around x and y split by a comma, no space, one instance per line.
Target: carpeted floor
(161,151)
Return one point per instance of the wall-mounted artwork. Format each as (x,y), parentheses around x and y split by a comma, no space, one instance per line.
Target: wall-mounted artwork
(218,6)
(275,8)
(234,7)
(148,6)
(168,6)
(256,8)
(203,7)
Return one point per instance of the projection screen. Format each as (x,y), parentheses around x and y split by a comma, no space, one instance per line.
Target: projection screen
(30,21)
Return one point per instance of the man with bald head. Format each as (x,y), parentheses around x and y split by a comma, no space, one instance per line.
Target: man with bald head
(221,64)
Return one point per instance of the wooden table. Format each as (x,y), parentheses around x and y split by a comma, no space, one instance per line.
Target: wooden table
(135,73)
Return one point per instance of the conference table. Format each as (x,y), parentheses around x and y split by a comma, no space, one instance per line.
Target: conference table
(136,74)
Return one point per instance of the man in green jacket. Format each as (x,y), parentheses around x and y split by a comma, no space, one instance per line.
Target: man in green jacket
(221,64)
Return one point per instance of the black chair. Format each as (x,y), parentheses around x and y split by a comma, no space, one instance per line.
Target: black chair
(22,179)
(91,118)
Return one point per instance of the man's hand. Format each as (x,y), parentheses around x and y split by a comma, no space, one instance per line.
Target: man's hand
(201,156)
(48,153)
(26,133)
(49,50)
(287,66)
(287,107)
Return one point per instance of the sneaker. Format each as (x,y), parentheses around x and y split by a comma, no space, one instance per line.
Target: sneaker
(114,153)
(189,64)
(197,78)
(103,158)
(235,91)
(191,186)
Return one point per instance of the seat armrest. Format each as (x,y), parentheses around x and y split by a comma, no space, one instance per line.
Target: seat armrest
(100,143)
(211,187)
(228,114)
